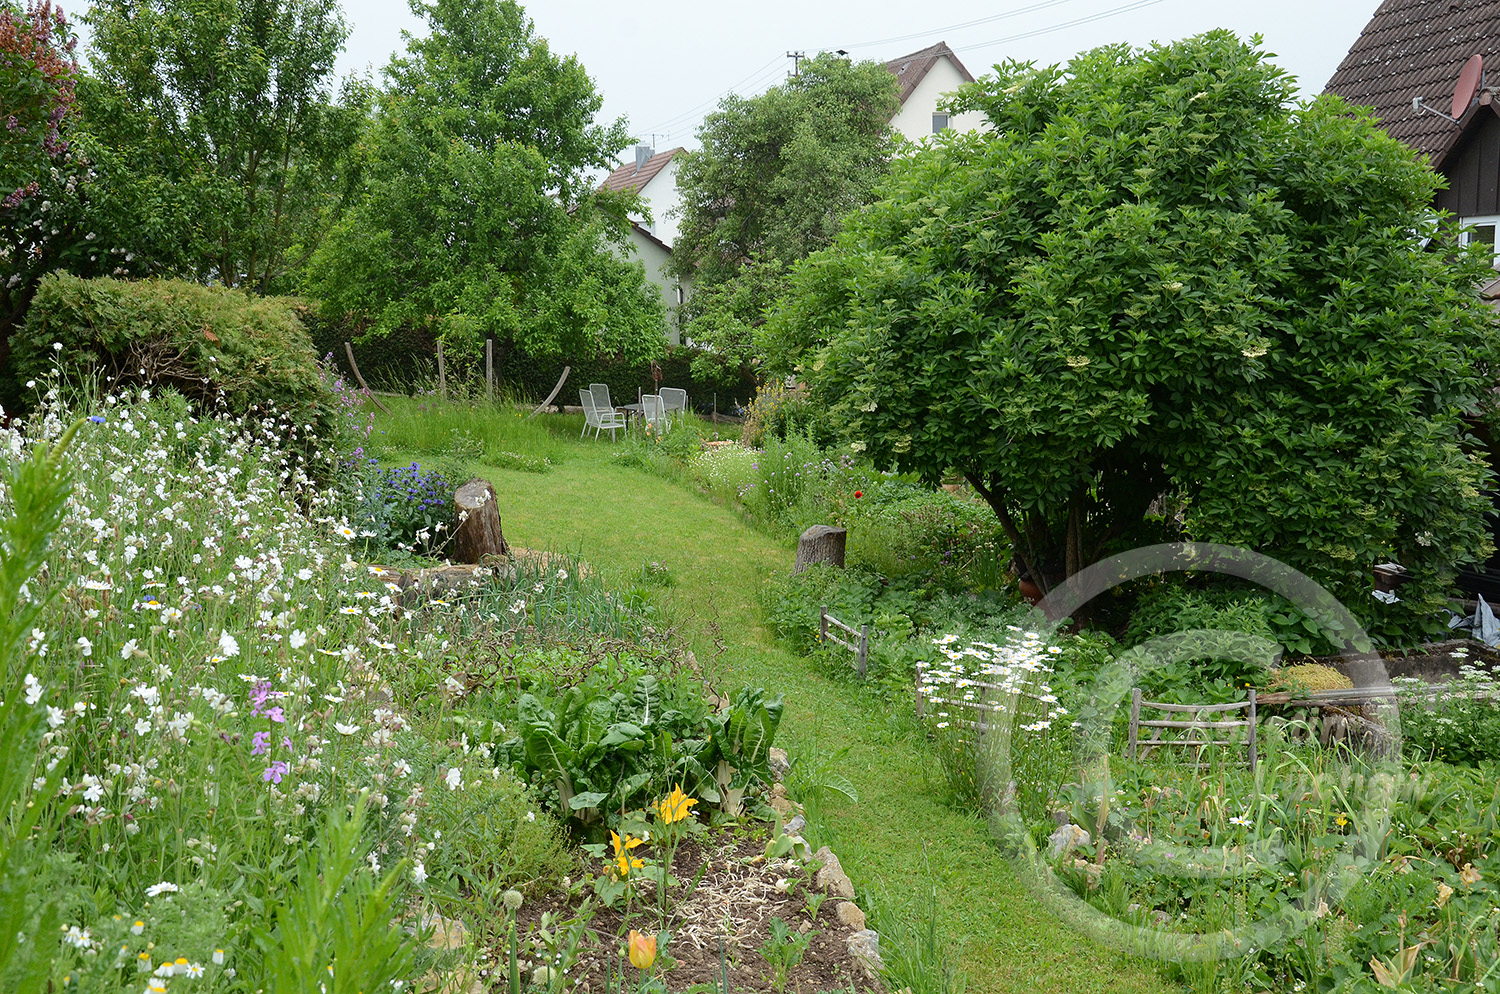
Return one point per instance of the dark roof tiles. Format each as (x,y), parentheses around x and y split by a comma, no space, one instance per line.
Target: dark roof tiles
(912,69)
(1417,48)
(628,177)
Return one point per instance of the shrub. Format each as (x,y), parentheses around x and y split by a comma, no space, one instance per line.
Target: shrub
(209,343)
(405,507)
(780,412)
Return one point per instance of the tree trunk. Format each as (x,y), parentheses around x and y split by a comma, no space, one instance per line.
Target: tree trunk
(478,533)
(820,544)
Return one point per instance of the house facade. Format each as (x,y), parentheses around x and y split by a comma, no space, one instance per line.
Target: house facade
(1406,64)
(926,77)
(653,175)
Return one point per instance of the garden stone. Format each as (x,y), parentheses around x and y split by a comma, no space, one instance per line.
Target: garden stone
(851,916)
(780,764)
(1066,839)
(864,947)
(795,826)
(832,879)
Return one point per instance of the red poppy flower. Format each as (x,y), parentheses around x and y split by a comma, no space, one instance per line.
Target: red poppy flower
(859,493)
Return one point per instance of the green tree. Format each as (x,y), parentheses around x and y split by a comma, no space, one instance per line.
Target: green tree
(773,181)
(220,115)
(52,204)
(477,218)
(1160,276)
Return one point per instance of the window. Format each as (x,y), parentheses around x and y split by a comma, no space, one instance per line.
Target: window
(939,123)
(1480,231)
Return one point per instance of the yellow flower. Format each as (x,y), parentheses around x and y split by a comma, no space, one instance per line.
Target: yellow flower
(642,950)
(1469,875)
(1444,892)
(623,861)
(674,807)
(1341,821)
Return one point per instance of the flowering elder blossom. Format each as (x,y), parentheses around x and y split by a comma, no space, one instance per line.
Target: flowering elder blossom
(983,676)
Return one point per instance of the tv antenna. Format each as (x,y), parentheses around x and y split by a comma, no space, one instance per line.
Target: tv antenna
(1470,82)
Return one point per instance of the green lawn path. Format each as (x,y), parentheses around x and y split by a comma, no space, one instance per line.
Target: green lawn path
(617,517)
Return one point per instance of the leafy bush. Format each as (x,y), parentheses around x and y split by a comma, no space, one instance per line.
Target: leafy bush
(780,412)
(600,751)
(211,344)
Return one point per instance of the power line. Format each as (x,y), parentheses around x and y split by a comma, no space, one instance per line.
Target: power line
(1043,5)
(1122,9)
(773,64)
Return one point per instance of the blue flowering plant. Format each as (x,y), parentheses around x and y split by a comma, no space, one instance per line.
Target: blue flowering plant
(405,508)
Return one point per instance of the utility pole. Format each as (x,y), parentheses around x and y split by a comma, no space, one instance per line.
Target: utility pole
(796,58)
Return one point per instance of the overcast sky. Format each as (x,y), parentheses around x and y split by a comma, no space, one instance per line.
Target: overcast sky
(663,64)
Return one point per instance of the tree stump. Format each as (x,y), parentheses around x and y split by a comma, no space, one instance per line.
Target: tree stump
(820,544)
(478,533)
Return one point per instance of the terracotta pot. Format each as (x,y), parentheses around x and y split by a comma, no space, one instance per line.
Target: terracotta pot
(1029,590)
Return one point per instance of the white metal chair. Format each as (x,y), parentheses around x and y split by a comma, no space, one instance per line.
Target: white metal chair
(654,411)
(601,397)
(674,401)
(597,419)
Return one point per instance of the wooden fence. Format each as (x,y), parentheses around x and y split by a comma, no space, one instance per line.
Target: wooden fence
(860,646)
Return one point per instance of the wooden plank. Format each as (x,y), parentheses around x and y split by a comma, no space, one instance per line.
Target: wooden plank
(1194,724)
(1185,744)
(1195,708)
(1135,720)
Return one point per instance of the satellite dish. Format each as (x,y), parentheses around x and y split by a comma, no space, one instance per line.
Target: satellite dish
(1468,85)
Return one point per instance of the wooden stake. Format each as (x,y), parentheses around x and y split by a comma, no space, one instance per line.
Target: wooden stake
(560,381)
(349,351)
(489,369)
(442,371)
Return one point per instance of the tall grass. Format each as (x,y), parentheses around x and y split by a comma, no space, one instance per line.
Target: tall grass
(498,434)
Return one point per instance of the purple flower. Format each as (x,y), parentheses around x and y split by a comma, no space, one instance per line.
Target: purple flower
(275,771)
(275,714)
(259,743)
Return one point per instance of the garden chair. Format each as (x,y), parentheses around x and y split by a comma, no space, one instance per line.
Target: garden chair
(1190,730)
(654,411)
(674,400)
(597,419)
(601,397)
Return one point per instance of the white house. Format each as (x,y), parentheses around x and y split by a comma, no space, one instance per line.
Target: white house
(926,77)
(653,175)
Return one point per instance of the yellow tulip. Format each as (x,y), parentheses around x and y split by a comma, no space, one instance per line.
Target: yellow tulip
(622,860)
(674,807)
(642,950)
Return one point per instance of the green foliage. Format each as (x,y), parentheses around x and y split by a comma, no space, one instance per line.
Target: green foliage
(476,220)
(333,926)
(54,209)
(208,343)
(603,751)
(775,177)
(1462,726)
(782,412)
(1156,274)
(783,950)
(222,116)
(37,489)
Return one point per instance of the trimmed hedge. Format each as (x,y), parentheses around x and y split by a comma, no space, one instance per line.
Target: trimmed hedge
(407,360)
(205,342)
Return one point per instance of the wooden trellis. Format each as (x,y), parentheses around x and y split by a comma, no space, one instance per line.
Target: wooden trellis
(1195,733)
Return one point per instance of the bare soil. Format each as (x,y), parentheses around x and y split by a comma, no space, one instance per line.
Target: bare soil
(738,894)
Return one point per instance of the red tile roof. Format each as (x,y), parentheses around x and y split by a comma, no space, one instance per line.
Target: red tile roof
(628,177)
(1416,48)
(912,69)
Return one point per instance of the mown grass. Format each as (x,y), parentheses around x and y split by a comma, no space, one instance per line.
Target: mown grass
(901,841)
